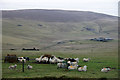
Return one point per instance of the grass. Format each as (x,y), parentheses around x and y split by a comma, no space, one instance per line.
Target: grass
(31,35)
(99,59)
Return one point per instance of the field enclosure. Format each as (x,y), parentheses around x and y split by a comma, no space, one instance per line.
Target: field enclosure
(103,55)
(62,33)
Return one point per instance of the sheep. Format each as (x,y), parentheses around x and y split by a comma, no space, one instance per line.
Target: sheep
(21,59)
(72,67)
(86,59)
(27,58)
(84,68)
(29,67)
(45,59)
(71,59)
(77,60)
(61,65)
(60,60)
(105,69)
(53,60)
(39,59)
(72,63)
(12,66)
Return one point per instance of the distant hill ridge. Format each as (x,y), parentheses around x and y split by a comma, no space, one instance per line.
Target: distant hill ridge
(55,15)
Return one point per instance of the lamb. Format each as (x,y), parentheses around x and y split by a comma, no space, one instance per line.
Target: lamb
(105,69)
(29,67)
(84,68)
(86,59)
(13,66)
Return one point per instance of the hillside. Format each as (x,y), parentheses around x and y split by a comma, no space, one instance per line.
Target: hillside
(39,28)
(55,15)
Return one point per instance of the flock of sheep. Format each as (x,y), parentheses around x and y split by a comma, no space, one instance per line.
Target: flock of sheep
(68,63)
(14,66)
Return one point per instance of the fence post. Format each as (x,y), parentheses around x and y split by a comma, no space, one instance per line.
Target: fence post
(23,65)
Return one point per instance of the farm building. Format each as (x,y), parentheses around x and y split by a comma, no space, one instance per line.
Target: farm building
(10,58)
(102,39)
(34,49)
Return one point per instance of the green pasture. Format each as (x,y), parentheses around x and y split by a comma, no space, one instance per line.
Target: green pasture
(99,59)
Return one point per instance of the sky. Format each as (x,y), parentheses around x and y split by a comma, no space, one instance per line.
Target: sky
(101,6)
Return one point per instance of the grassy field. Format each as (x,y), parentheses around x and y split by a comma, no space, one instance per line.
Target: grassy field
(44,30)
(103,54)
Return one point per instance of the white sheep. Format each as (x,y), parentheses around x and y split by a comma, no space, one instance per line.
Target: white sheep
(72,63)
(53,60)
(84,68)
(29,67)
(44,59)
(72,67)
(86,59)
(59,60)
(39,59)
(61,65)
(21,59)
(77,60)
(12,66)
(105,69)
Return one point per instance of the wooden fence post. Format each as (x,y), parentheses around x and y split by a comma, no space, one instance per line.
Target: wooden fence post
(23,65)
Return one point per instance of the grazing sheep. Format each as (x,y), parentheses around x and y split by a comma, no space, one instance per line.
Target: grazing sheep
(105,69)
(20,59)
(12,66)
(45,59)
(77,60)
(84,68)
(86,59)
(60,60)
(29,67)
(39,59)
(72,63)
(71,59)
(72,67)
(53,60)
(61,65)
(27,58)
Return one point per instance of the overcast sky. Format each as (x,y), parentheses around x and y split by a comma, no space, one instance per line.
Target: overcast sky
(100,6)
